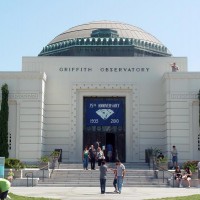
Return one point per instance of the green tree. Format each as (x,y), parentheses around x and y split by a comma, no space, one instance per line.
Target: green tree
(4,122)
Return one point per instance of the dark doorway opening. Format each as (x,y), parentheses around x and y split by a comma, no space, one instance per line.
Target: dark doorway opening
(116,140)
(110,147)
(112,134)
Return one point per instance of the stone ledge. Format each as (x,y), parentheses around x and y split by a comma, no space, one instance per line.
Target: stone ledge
(37,173)
(193,183)
(23,182)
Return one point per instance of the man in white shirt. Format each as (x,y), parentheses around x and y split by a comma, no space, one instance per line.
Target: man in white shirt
(120,175)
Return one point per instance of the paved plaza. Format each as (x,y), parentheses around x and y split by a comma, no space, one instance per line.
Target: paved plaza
(93,193)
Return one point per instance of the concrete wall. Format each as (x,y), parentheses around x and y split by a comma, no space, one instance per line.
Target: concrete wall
(139,80)
(182,113)
(26,100)
(47,113)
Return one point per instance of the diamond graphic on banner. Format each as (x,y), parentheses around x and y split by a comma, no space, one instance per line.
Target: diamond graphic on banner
(104,113)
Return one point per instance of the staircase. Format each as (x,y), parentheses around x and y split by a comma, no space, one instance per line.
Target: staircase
(72,175)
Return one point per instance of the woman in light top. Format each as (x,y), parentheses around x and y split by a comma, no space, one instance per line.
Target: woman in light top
(187,176)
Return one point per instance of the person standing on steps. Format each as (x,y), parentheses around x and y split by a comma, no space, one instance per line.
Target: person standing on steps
(103,173)
(174,153)
(85,158)
(120,175)
(92,156)
(100,156)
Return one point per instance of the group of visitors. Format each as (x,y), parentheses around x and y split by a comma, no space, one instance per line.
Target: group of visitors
(119,173)
(95,154)
(92,154)
(179,177)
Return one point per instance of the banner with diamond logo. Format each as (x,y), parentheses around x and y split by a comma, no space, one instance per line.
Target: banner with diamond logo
(104,112)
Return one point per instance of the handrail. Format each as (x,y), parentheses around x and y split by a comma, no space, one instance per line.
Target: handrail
(44,168)
(28,177)
(52,164)
(157,168)
(164,170)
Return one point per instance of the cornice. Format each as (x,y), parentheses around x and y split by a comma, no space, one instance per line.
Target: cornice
(23,75)
(181,75)
(99,41)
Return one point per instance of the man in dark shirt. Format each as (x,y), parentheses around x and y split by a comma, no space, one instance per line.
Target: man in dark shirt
(92,156)
(103,172)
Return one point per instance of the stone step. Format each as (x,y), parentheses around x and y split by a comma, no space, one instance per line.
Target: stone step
(72,174)
(157,183)
(96,179)
(137,165)
(96,172)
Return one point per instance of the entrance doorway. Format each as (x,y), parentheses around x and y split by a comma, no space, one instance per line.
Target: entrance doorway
(110,147)
(110,133)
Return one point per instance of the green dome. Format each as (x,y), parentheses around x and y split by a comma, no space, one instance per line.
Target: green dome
(105,38)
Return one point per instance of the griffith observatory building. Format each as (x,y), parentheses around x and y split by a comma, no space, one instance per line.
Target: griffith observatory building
(106,81)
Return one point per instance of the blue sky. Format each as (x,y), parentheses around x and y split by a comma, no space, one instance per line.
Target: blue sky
(26,26)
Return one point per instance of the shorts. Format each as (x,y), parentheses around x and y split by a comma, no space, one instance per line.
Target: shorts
(178,177)
(3,195)
(174,159)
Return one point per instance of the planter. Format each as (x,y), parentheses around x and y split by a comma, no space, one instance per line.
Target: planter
(163,166)
(44,165)
(194,175)
(18,173)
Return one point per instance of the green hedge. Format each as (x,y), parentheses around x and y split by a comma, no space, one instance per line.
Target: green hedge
(13,163)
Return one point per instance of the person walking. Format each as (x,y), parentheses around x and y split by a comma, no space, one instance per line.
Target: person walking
(103,173)
(92,156)
(174,153)
(4,188)
(85,158)
(120,175)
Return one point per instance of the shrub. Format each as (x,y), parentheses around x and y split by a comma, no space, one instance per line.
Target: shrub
(14,163)
(55,154)
(162,160)
(191,164)
(44,159)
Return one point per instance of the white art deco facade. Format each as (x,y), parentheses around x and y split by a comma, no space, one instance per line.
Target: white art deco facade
(134,102)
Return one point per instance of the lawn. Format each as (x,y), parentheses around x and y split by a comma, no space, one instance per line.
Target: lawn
(193,197)
(16,197)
